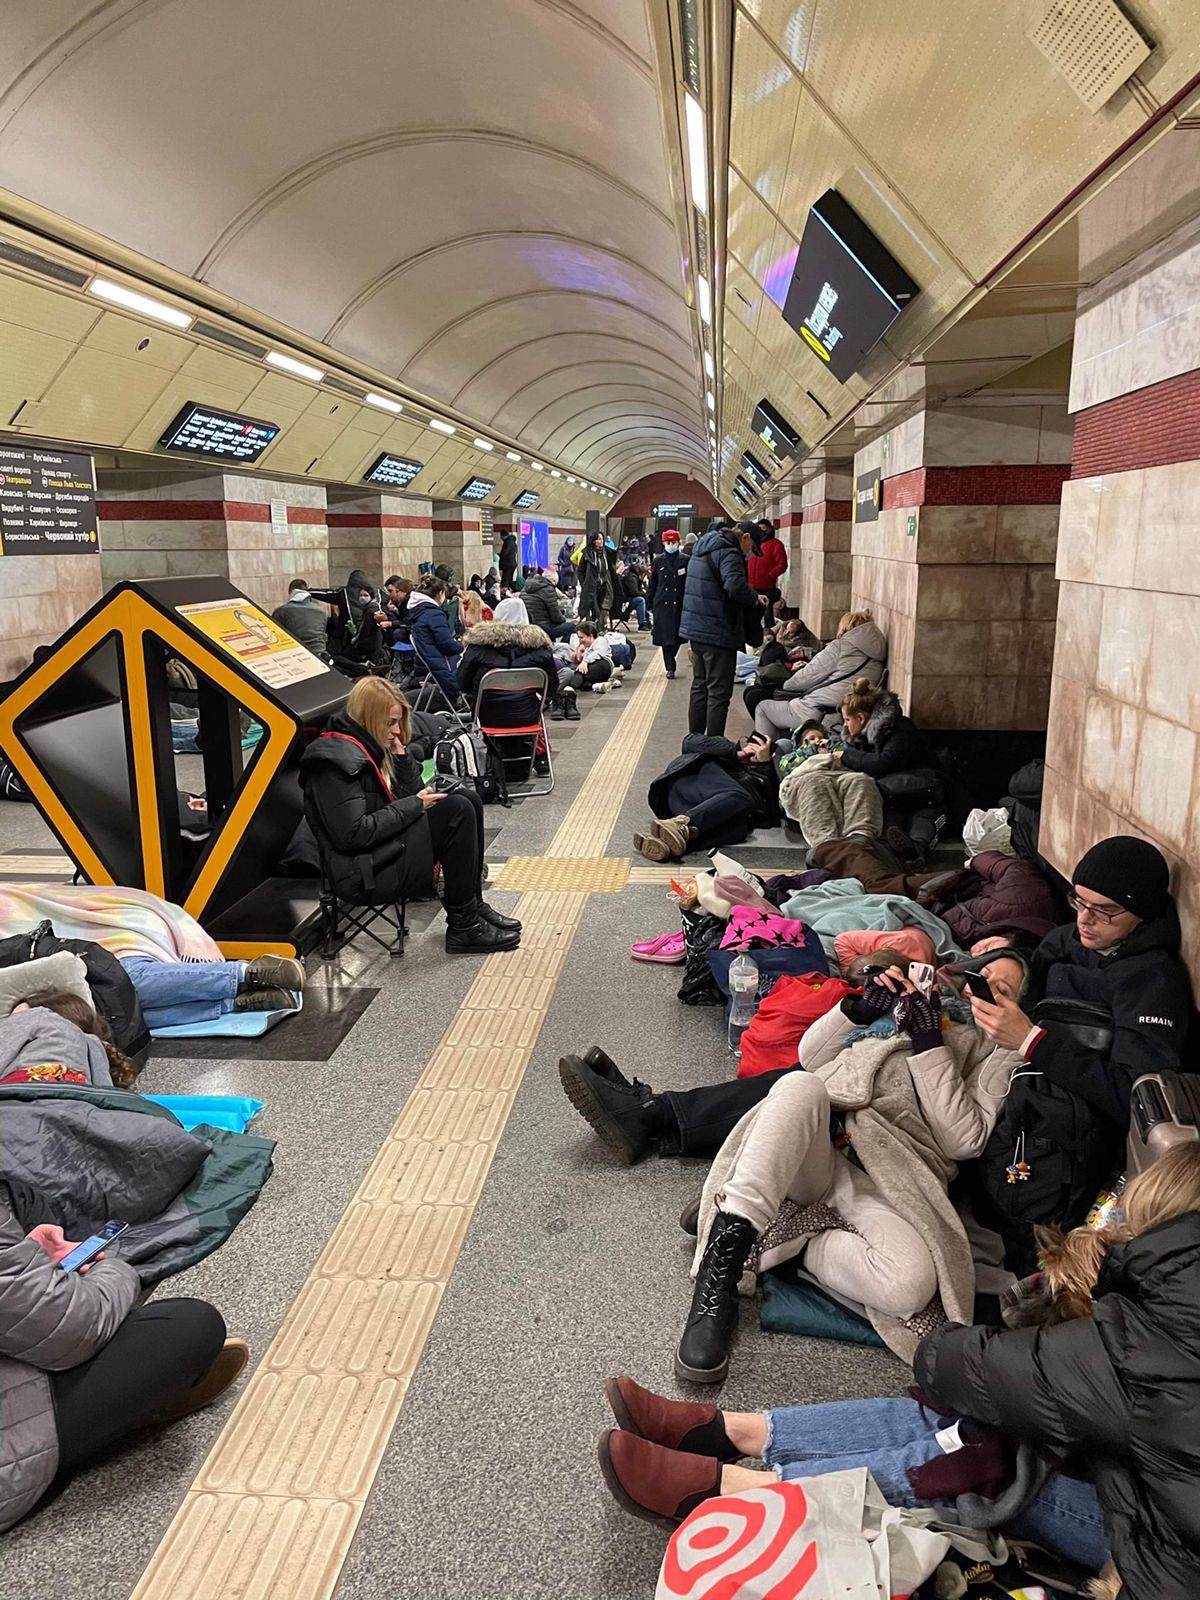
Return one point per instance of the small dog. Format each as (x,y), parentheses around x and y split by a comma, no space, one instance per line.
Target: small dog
(1070,1265)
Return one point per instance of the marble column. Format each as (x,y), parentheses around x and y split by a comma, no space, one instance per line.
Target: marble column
(459,538)
(814,525)
(41,597)
(257,532)
(381,533)
(957,567)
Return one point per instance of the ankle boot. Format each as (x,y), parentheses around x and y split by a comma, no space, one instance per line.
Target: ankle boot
(467,933)
(496,918)
(703,1354)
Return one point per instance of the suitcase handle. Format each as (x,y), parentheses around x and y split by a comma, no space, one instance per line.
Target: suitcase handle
(1149,1105)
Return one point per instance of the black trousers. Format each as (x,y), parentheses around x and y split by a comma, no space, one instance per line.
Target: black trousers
(715,804)
(597,672)
(704,1118)
(713,667)
(456,827)
(160,1350)
(670,655)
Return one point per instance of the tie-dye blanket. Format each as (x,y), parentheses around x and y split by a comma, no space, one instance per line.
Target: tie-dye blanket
(127,922)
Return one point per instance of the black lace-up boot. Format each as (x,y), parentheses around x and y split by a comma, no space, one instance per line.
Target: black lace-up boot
(703,1354)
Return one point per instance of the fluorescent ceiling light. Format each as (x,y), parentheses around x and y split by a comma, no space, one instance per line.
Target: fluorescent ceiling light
(555,473)
(384,403)
(482,444)
(442,427)
(710,370)
(537,466)
(710,400)
(512,455)
(570,479)
(118,295)
(704,296)
(276,358)
(697,151)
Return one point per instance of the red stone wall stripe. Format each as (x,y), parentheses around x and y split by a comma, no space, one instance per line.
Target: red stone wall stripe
(201,511)
(822,511)
(440,525)
(1151,427)
(356,519)
(975,486)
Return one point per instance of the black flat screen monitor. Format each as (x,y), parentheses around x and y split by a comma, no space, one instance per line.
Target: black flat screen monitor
(221,435)
(846,288)
(526,500)
(476,489)
(397,472)
(775,431)
(755,468)
(747,489)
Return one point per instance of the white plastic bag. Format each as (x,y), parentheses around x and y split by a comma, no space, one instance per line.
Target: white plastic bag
(988,830)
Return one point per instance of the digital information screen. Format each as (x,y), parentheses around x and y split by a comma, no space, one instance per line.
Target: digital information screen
(747,489)
(47,503)
(755,468)
(846,288)
(674,511)
(526,500)
(200,431)
(476,489)
(780,438)
(396,471)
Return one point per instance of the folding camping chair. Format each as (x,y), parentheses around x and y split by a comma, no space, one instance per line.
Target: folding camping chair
(433,690)
(341,920)
(518,680)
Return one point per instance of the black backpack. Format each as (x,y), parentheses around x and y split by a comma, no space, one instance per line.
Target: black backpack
(474,757)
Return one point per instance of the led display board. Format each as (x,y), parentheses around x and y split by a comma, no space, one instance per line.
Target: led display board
(395,471)
(758,473)
(476,489)
(527,499)
(674,511)
(222,435)
(846,290)
(47,502)
(780,438)
(747,489)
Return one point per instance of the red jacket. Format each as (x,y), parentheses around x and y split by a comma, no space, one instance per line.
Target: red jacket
(765,569)
(782,1019)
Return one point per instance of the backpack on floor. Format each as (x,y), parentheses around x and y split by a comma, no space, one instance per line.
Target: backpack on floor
(473,757)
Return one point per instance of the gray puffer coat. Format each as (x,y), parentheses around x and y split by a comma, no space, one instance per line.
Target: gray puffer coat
(50,1320)
(824,682)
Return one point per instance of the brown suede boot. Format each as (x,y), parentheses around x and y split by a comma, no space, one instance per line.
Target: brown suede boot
(675,833)
(654,1483)
(686,1425)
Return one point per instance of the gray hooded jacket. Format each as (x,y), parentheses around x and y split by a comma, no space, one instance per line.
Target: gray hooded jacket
(861,653)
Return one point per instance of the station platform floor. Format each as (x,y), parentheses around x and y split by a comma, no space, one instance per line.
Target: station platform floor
(446,1265)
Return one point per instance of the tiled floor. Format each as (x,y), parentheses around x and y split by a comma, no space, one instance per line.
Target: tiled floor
(446,1266)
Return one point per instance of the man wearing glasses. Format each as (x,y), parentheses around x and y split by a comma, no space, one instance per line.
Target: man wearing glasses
(1115,1004)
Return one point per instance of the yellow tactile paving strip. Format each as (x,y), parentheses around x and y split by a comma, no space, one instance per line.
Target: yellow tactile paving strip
(677,870)
(275,1506)
(593,874)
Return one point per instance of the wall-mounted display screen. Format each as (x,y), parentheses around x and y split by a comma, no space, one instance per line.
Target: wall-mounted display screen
(775,431)
(476,489)
(674,511)
(200,431)
(527,499)
(396,471)
(846,290)
(757,472)
(747,489)
(47,502)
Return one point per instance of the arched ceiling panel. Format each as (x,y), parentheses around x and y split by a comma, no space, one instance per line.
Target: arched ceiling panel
(554,388)
(585,419)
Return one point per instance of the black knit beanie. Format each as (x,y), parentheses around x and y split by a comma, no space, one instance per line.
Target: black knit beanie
(1130,872)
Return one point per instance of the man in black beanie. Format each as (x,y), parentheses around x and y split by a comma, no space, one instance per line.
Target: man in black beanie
(1115,1003)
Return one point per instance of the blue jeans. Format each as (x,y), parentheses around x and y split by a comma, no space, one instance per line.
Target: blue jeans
(637,604)
(174,992)
(890,1436)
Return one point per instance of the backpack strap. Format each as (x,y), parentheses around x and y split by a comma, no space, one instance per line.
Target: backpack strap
(378,770)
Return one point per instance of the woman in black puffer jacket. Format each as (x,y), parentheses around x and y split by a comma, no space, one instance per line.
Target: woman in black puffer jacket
(381,831)
(882,740)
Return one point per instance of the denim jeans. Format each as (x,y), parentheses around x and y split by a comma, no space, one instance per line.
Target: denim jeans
(890,1436)
(175,992)
(637,604)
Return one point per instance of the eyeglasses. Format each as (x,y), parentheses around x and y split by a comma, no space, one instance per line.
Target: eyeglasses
(1077,904)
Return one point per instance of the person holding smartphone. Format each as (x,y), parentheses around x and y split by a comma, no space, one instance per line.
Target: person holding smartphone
(382,830)
(83,1364)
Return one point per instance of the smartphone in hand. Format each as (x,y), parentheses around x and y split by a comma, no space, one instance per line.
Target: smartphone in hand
(978,985)
(90,1248)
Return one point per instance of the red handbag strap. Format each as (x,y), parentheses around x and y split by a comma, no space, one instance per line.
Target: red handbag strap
(350,739)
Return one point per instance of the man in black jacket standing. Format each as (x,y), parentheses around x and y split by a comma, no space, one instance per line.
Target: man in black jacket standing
(720,610)
(665,597)
(1062,1129)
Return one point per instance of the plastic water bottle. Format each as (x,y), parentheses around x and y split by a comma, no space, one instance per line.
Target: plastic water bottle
(743,999)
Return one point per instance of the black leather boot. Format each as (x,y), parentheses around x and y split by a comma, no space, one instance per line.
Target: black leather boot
(496,918)
(614,1108)
(467,933)
(703,1354)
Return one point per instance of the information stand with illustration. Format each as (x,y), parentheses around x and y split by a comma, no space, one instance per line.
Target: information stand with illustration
(89,728)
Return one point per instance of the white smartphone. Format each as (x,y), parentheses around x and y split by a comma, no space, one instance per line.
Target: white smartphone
(921,974)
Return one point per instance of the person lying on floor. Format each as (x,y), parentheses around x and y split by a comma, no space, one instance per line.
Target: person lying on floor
(634,1120)
(1100,1414)
(184,993)
(84,1365)
(714,794)
(862,1198)
(383,831)
(54,1036)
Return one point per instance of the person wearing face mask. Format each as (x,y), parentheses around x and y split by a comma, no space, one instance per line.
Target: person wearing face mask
(664,597)
(1110,1003)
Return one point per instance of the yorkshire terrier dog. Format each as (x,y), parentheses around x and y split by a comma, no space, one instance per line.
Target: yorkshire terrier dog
(1071,1264)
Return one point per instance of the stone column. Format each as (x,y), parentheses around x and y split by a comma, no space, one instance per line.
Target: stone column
(458,539)
(381,533)
(1124,738)
(257,532)
(41,597)
(957,567)
(815,526)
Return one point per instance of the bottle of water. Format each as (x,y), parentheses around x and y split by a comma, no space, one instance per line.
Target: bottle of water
(743,999)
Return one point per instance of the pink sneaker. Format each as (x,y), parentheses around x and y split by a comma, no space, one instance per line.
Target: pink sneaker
(668,949)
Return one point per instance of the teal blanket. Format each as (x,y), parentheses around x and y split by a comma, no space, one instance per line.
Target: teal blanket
(844,906)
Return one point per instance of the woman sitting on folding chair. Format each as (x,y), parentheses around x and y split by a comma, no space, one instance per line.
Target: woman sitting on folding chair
(510,641)
(433,637)
(381,831)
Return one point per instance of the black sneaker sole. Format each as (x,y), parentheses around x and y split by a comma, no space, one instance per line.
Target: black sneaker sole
(573,1075)
(622,1496)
